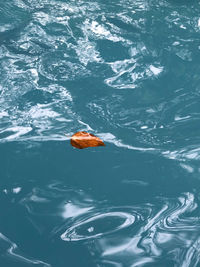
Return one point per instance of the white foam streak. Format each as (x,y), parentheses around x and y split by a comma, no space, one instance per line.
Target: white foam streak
(110,138)
(18,131)
(12,247)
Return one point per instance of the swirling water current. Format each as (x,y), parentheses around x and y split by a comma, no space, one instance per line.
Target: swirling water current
(129,72)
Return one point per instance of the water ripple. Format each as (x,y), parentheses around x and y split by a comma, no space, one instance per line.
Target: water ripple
(129,72)
(88,227)
(52,50)
(166,228)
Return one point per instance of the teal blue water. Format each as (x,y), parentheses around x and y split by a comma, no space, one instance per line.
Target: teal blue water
(129,72)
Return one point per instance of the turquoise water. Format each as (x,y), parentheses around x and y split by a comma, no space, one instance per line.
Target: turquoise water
(128,72)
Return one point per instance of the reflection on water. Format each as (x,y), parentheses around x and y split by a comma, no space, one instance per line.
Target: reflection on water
(92,223)
(152,229)
(8,249)
(55,50)
(127,71)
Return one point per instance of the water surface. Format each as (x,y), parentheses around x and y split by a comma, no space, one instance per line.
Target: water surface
(127,71)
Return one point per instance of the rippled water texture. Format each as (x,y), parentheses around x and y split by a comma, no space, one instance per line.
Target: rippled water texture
(129,72)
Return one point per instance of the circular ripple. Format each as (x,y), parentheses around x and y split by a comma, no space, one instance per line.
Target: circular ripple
(98,225)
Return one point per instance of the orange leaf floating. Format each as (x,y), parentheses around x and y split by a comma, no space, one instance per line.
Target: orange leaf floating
(83,140)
